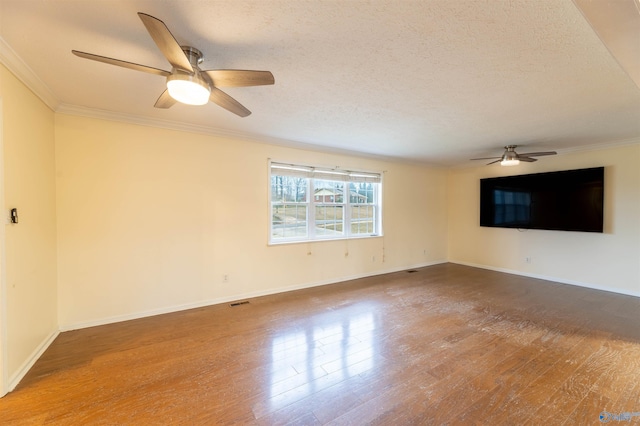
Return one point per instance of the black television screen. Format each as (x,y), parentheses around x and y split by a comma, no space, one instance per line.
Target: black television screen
(570,200)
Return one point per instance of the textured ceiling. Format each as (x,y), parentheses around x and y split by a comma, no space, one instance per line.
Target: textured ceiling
(435,81)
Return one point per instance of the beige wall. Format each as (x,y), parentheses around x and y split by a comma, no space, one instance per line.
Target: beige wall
(30,245)
(149,220)
(608,261)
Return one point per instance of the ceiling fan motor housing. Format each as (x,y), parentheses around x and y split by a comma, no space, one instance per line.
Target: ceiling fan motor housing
(194,56)
(510,153)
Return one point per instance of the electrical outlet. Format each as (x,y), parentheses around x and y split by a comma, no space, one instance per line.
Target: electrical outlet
(527,259)
(373,258)
(225,278)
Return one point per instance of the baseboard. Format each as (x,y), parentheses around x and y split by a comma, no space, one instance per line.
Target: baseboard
(15,378)
(249,295)
(30,361)
(548,278)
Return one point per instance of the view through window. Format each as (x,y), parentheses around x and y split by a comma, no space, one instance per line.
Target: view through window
(310,203)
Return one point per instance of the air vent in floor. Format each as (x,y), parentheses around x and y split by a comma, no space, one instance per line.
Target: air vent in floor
(244,302)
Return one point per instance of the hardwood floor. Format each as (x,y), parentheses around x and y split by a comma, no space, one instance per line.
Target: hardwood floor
(447,344)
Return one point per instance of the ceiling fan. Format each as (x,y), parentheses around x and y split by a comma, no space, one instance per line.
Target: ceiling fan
(186,82)
(512,158)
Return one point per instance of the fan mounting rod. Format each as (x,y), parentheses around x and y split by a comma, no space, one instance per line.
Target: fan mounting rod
(194,56)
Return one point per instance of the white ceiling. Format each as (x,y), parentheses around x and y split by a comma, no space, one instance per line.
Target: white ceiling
(435,81)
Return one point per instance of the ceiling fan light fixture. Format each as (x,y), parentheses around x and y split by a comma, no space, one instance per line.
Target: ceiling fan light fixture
(188,89)
(510,158)
(510,162)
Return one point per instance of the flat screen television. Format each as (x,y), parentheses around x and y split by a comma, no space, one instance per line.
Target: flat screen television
(570,200)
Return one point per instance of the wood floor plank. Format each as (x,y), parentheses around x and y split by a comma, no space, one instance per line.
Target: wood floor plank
(447,344)
(558,390)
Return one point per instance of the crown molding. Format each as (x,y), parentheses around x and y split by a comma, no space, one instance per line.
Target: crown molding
(14,63)
(601,145)
(221,133)
(212,131)
(107,115)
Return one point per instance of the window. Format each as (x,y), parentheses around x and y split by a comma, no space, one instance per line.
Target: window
(311,203)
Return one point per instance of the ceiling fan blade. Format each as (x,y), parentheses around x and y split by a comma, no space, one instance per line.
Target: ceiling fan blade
(486,158)
(165,41)
(240,78)
(227,102)
(527,159)
(165,100)
(497,161)
(120,63)
(537,154)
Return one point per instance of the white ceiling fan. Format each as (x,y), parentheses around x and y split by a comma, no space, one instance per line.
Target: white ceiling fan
(512,158)
(186,82)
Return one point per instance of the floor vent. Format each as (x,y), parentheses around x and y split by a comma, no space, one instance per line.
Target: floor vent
(244,302)
(411,271)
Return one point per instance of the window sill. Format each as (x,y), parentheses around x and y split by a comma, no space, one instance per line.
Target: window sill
(322,240)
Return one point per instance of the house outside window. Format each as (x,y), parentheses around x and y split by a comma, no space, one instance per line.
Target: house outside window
(311,203)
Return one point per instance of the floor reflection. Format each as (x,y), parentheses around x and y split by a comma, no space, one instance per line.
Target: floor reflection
(329,349)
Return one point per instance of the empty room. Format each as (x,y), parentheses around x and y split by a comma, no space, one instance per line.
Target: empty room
(319,212)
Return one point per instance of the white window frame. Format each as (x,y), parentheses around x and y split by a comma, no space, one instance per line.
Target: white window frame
(312,173)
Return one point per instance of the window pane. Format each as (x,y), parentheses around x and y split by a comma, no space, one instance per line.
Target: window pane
(329,220)
(327,191)
(288,220)
(361,193)
(363,219)
(288,189)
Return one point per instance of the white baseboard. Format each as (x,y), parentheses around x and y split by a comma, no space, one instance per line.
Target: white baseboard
(26,366)
(219,300)
(31,360)
(547,278)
